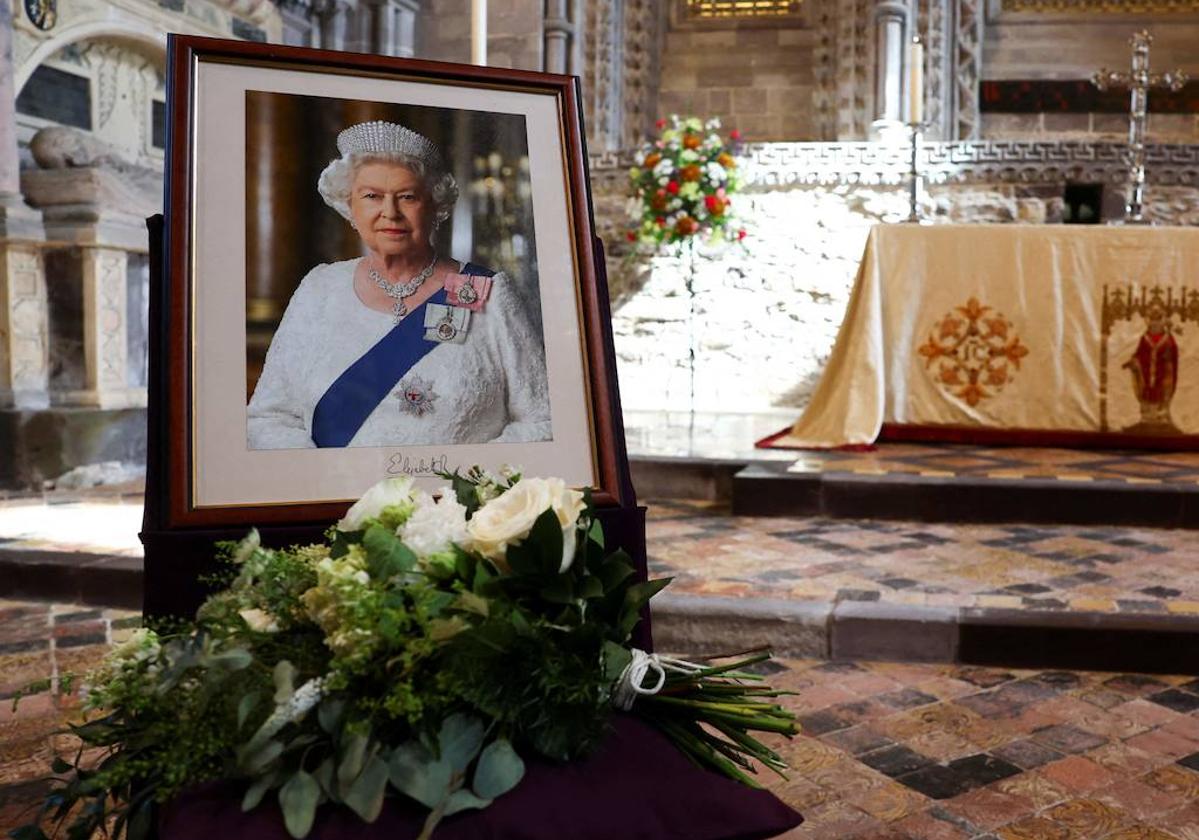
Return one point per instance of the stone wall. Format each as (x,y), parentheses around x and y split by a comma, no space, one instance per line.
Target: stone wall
(1054,45)
(514,33)
(765,317)
(755,76)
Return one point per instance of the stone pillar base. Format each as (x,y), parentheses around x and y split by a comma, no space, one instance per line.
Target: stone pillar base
(42,445)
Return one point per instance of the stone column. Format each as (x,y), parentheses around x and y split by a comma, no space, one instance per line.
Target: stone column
(334,25)
(559,32)
(404,27)
(24,330)
(93,206)
(890,46)
(106,383)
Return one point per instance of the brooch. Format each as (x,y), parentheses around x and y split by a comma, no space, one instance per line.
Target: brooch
(469,291)
(446,323)
(416,395)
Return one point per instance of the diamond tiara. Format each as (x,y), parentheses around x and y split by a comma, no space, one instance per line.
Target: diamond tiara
(378,137)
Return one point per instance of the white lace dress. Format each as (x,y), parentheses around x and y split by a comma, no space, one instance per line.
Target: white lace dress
(490,389)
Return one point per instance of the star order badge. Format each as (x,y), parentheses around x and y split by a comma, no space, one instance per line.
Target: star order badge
(416,395)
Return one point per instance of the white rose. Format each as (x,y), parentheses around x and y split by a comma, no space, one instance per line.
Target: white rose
(434,527)
(260,621)
(388,492)
(508,519)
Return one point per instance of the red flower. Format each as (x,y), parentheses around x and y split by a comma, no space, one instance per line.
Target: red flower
(672,187)
(686,226)
(661,221)
(714,204)
(660,124)
(734,134)
(740,234)
(631,236)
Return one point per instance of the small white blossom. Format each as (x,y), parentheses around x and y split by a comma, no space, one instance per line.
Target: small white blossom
(434,527)
(664,167)
(390,492)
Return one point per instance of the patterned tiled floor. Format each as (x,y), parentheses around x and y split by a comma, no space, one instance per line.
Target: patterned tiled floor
(1091,569)
(889,751)
(1175,469)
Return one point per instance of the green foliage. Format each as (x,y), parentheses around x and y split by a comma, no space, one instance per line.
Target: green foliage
(357,669)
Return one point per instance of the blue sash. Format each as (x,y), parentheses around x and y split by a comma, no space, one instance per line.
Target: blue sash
(353,396)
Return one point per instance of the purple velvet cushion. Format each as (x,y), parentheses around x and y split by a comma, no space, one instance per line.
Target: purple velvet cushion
(638,786)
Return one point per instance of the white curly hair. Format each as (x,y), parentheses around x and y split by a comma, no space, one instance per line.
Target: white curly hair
(376,142)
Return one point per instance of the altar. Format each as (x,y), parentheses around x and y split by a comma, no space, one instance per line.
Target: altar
(1015,333)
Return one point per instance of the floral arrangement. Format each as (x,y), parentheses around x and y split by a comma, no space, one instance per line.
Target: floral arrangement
(682,185)
(420,651)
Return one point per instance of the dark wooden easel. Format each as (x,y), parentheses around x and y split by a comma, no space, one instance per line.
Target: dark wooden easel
(178,559)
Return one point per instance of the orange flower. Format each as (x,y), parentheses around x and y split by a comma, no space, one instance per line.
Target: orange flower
(726,160)
(690,172)
(651,160)
(658,202)
(692,141)
(686,226)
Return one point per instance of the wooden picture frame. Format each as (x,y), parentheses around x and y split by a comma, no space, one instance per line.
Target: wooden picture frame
(206,302)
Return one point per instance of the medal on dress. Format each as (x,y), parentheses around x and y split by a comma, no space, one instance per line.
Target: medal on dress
(469,291)
(446,324)
(416,395)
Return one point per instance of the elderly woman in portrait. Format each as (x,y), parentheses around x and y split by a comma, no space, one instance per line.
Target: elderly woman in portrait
(401,346)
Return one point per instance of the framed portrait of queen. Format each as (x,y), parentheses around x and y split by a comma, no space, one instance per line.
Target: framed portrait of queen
(376,267)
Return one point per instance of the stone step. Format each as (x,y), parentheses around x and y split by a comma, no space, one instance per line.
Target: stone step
(701,624)
(858,630)
(768,489)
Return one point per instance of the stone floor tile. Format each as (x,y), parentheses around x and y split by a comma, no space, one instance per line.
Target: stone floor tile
(1037,828)
(1140,832)
(1174,779)
(895,760)
(857,739)
(1143,802)
(936,782)
(1127,761)
(888,802)
(1176,699)
(1042,792)
(1088,817)
(986,808)
(926,825)
(1183,822)
(1078,774)
(983,769)
(1027,753)
(1067,739)
(1145,713)
(942,746)
(1162,743)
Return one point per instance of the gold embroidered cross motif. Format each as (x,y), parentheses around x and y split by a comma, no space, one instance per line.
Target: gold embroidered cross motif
(973,352)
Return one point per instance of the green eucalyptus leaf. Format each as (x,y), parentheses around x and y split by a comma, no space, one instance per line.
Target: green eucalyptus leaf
(459,740)
(235,659)
(298,799)
(58,765)
(365,795)
(257,760)
(326,777)
(285,681)
(353,757)
(244,707)
(461,800)
(499,770)
(329,713)
(257,790)
(414,772)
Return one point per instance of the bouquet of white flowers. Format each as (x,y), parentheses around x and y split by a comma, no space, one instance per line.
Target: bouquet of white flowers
(419,651)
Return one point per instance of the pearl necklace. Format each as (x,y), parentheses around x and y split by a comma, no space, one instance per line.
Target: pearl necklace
(399,291)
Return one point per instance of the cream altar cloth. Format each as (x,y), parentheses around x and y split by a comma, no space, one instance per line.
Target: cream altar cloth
(1023,328)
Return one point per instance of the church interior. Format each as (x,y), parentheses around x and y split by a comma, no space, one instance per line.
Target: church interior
(922,418)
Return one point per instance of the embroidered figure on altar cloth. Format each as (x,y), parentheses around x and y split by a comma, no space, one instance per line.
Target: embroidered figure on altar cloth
(1154,369)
